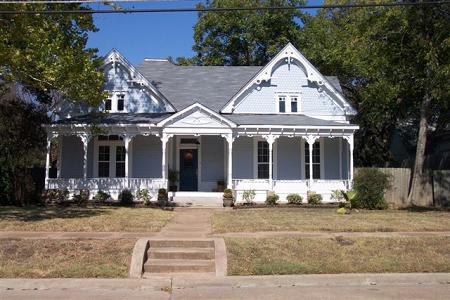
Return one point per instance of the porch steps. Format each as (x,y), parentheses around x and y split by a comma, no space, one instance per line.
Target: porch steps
(197,199)
(180,256)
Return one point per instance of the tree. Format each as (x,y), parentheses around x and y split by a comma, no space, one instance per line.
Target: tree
(47,53)
(395,66)
(244,37)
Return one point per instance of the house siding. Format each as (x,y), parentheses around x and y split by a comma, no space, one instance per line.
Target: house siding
(147,157)
(212,158)
(243,160)
(72,157)
(289,158)
(288,79)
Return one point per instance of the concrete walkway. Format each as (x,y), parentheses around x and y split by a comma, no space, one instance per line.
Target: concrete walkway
(340,286)
(188,223)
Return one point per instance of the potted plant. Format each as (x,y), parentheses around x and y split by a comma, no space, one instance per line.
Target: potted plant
(173,179)
(228,199)
(220,186)
(163,197)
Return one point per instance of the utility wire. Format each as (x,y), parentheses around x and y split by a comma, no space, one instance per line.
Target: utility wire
(219,9)
(85,1)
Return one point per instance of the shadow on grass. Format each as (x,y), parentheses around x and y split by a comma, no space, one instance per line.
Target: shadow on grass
(425,209)
(37,213)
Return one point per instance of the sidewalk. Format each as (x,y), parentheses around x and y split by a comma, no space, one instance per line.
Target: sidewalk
(339,286)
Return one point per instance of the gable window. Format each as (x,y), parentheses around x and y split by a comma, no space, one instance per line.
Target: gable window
(108,104)
(263,160)
(281,104)
(294,107)
(103,161)
(315,160)
(120,102)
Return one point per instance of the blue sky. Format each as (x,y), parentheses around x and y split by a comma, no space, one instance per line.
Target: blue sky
(147,35)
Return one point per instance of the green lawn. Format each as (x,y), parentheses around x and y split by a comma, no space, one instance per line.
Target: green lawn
(65,258)
(251,256)
(89,219)
(326,219)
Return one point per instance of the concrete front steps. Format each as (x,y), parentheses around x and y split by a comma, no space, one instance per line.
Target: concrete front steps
(180,256)
(197,199)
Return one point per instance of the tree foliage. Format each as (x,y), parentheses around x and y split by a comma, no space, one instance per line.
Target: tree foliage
(388,60)
(244,37)
(47,53)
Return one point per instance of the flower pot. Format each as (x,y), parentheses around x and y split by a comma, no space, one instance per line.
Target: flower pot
(228,202)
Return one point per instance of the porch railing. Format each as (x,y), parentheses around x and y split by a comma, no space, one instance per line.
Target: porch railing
(291,185)
(106,184)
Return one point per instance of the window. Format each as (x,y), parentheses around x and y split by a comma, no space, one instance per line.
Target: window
(281,104)
(315,160)
(294,104)
(103,161)
(120,102)
(263,160)
(120,161)
(108,104)
(110,138)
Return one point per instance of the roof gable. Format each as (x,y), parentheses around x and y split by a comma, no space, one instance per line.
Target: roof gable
(115,59)
(290,55)
(197,115)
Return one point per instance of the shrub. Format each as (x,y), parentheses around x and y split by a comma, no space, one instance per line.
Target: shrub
(337,196)
(144,196)
(294,199)
(162,197)
(55,196)
(101,197)
(248,196)
(82,198)
(126,198)
(314,198)
(272,199)
(228,194)
(370,185)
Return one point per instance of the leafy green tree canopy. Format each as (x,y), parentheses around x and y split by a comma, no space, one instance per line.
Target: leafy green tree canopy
(47,53)
(244,37)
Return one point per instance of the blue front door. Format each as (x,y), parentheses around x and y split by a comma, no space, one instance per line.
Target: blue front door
(188,169)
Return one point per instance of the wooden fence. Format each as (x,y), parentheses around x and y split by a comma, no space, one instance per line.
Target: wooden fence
(434,188)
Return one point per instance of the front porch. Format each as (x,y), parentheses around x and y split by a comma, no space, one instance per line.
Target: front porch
(284,161)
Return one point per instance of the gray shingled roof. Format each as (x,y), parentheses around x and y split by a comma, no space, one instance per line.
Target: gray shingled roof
(289,120)
(212,86)
(118,118)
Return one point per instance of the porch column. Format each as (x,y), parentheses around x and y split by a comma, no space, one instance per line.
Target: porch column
(230,139)
(127,139)
(311,140)
(164,168)
(350,140)
(270,140)
(60,141)
(47,159)
(85,138)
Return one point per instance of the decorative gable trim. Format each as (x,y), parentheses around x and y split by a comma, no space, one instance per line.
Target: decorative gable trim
(290,54)
(190,109)
(115,57)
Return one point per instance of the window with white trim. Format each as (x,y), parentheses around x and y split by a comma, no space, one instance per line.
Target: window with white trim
(315,160)
(281,104)
(103,161)
(288,103)
(294,104)
(120,161)
(115,102)
(263,160)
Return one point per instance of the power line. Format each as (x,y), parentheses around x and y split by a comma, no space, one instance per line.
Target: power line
(84,1)
(219,9)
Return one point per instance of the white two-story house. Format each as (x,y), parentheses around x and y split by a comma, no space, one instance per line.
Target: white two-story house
(282,127)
